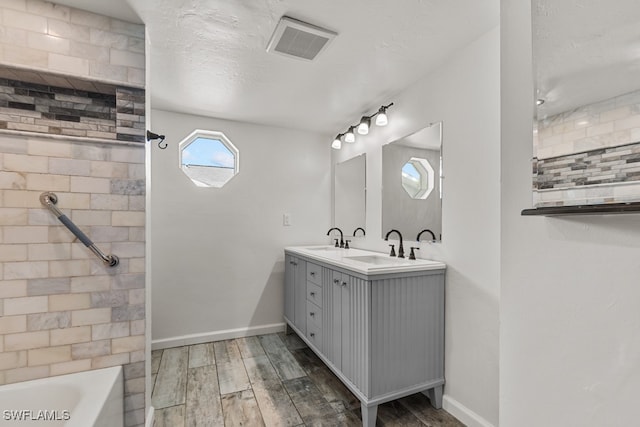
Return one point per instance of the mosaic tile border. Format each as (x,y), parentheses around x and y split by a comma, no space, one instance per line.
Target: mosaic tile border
(111,112)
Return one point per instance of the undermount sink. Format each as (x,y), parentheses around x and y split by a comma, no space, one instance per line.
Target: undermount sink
(323,248)
(377,260)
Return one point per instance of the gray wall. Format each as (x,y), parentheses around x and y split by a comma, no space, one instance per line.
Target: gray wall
(217,253)
(570,299)
(464,93)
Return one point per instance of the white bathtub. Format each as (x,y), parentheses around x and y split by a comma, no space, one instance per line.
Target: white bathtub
(86,399)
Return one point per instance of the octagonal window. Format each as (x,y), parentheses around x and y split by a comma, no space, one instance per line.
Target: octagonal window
(208,158)
(417,178)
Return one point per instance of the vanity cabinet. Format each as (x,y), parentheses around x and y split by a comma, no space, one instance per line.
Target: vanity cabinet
(381,334)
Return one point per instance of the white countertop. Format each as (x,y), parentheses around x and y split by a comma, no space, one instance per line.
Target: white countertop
(366,262)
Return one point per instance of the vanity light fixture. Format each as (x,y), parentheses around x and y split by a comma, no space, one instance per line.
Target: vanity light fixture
(350,136)
(381,117)
(337,143)
(363,127)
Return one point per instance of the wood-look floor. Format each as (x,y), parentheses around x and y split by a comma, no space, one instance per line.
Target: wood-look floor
(269,380)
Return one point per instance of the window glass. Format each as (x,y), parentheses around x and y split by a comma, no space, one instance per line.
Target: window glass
(208,158)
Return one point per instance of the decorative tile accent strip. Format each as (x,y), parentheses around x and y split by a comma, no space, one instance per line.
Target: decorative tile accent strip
(115,113)
(603,166)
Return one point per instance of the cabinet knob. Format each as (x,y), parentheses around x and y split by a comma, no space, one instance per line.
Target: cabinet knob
(336,281)
(313,294)
(312,314)
(344,283)
(313,273)
(312,334)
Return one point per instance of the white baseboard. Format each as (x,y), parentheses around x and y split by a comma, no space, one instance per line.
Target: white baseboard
(216,336)
(463,414)
(150,417)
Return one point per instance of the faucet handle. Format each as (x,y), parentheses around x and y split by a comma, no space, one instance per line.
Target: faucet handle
(412,255)
(346,244)
(393,250)
(337,244)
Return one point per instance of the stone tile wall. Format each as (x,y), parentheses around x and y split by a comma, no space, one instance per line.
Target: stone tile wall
(45,36)
(609,123)
(590,155)
(61,309)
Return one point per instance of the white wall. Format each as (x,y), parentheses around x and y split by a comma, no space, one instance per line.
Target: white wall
(217,254)
(570,300)
(464,94)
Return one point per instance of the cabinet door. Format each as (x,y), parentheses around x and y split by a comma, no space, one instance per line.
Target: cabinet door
(332,315)
(300,295)
(353,307)
(289,287)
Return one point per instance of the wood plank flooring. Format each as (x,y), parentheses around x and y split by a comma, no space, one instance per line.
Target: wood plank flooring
(271,380)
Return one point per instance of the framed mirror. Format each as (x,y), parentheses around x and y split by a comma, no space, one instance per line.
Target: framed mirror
(412,184)
(586,136)
(350,195)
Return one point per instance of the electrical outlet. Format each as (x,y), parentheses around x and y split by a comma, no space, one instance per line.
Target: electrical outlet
(286,219)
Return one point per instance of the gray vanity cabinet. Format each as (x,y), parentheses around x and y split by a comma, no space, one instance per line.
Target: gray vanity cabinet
(295,292)
(381,334)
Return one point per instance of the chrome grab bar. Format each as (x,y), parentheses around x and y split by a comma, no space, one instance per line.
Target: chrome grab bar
(49,200)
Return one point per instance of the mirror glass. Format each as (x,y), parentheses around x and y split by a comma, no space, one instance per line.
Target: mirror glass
(350,195)
(412,184)
(587,122)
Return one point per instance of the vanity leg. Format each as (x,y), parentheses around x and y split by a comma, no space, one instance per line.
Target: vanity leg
(369,414)
(435,396)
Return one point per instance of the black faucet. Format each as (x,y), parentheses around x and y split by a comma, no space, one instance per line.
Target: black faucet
(400,248)
(426,230)
(356,230)
(341,237)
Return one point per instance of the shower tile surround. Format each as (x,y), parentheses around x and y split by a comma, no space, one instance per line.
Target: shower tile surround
(590,155)
(72,121)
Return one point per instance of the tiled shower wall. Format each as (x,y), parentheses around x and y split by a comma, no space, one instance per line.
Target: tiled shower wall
(590,155)
(44,36)
(61,309)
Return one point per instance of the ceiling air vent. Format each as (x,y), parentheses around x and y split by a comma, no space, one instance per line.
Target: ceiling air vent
(299,39)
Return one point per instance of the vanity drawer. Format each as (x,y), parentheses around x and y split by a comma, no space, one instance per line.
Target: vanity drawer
(314,294)
(314,315)
(314,334)
(313,273)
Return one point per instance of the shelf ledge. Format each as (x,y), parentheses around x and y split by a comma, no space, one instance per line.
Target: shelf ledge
(603,209)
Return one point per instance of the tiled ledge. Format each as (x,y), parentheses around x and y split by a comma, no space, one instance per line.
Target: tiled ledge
(80,139)
(604,209)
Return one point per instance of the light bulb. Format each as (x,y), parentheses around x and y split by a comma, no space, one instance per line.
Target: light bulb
(381,117)
(363,127)
(337,144)
(350,136)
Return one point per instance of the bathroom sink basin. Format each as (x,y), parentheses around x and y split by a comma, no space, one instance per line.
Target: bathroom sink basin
(322,248)
(377,260)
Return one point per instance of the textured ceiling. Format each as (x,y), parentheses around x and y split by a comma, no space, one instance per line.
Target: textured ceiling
(585,51)
(209,57)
